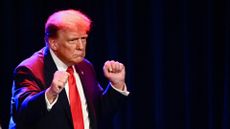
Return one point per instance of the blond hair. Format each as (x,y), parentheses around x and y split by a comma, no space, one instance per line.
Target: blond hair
(67,19)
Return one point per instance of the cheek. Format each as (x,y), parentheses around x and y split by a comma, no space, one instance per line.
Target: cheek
(69,49)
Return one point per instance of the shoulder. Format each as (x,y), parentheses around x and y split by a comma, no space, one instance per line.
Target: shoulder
(32,65)
(34,61)
(85,66)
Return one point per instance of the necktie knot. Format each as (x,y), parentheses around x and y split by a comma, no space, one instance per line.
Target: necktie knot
(70,70)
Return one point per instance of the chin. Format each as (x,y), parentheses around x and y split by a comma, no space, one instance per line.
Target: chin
(78,60)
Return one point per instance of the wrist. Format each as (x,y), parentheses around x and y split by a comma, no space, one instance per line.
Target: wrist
(51,96)
(119,85)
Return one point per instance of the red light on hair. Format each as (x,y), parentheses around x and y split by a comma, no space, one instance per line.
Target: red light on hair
(67,19)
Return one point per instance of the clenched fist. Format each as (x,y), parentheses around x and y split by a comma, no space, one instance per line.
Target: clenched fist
(57,85)
(114,71)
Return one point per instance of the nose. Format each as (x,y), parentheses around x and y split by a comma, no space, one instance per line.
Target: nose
(80,44)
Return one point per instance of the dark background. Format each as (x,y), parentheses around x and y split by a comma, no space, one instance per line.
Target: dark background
(176,53)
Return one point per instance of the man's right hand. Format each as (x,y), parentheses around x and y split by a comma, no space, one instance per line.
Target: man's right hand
(57,85)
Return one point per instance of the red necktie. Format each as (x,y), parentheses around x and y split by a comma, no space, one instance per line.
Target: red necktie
(75,102)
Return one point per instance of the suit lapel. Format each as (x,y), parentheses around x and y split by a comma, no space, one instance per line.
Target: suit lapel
(49,70)
(49,67)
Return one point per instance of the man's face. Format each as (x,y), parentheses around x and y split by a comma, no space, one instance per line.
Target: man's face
(69,46)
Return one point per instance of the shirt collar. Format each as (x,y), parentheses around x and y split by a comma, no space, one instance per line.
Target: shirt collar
(61,66)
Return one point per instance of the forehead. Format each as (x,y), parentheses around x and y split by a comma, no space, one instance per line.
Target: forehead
(72,33)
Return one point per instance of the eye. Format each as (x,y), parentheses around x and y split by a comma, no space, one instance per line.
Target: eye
(74,40)
(83,39)
(77,40)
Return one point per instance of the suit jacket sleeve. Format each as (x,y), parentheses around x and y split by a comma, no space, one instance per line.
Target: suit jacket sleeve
(28,97)
(110,100)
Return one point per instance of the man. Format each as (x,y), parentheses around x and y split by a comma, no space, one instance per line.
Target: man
(43,95)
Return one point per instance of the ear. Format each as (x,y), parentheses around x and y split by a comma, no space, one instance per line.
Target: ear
(53,44)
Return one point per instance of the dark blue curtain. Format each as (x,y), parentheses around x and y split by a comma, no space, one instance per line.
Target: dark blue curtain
(176,53)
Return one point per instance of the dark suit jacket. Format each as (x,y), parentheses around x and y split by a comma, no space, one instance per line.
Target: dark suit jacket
(34,75)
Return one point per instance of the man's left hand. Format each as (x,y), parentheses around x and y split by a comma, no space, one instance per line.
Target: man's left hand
(114,71)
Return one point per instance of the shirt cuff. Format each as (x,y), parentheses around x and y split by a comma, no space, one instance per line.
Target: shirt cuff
(124,92)
(48,104)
